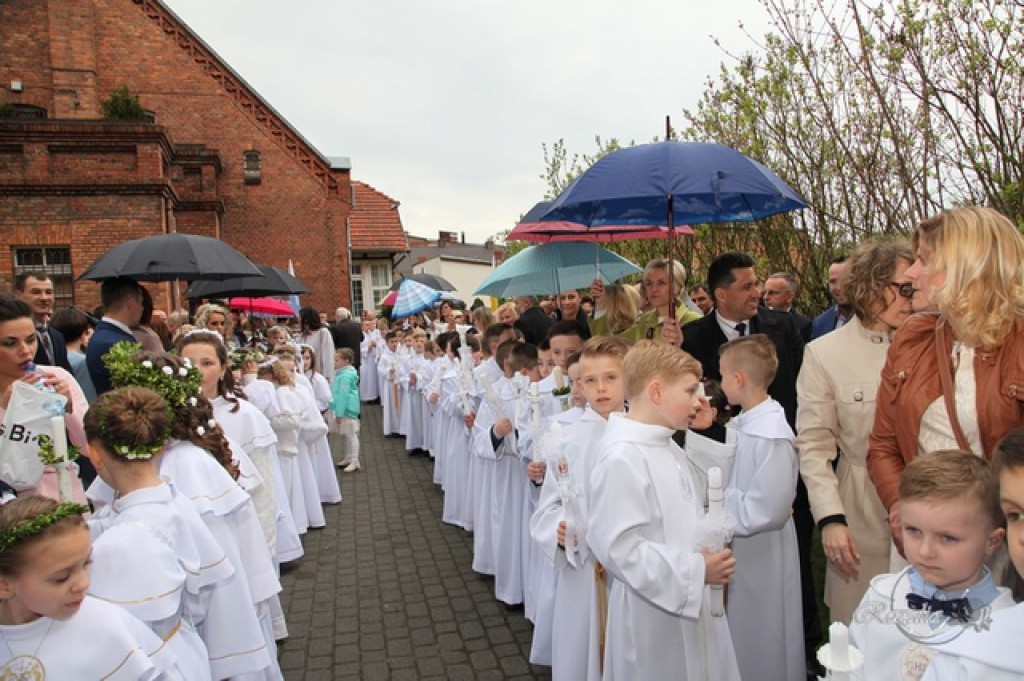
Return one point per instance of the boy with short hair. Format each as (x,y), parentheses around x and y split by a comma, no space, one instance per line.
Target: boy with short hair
(759,495)
(344,406)
(390,400)
(574,631)
(411,375)
(992,654)
(949,509)
(547,362)
(643,524)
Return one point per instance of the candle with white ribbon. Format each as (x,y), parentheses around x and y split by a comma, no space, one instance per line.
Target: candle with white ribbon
(715,507)
(559,378)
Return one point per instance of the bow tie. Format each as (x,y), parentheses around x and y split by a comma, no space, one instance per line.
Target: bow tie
(957,608)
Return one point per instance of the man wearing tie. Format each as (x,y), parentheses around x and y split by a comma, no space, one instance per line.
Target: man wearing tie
(733,287)
(122,309)
(36,289)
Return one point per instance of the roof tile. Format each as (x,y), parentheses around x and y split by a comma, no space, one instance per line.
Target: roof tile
(375,224)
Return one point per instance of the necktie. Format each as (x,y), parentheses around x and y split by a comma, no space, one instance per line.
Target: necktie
(44,338)
(957,608)
(741,329)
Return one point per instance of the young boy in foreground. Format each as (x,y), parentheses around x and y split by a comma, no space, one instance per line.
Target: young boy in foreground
(993,654)
(643,521)
(759,495)
(949,508)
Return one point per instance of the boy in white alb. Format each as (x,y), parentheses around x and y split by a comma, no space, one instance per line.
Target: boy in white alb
(390,401)
(560,531)
(950,516)
(992,654)
(759,495)
(643,524)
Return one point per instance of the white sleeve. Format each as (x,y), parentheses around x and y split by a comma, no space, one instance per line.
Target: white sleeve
(767,502)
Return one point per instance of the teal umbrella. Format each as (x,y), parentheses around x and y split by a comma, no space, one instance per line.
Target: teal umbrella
(555,267)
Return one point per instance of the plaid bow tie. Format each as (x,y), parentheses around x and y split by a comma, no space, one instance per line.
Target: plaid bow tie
(957,608)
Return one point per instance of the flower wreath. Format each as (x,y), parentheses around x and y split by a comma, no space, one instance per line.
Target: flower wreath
(126,369)
(15,534)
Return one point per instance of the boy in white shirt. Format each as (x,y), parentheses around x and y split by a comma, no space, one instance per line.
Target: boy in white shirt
(951,523)
(759,495)
(643,525)
(992,654)
(575,650)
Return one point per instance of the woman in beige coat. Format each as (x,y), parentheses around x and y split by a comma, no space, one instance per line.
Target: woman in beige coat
(836,392)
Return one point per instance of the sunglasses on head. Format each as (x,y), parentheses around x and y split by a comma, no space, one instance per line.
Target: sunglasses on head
(905,290)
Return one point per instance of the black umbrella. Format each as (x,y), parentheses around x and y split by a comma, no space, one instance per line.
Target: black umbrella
(432,280)
(273,281)
(167,257)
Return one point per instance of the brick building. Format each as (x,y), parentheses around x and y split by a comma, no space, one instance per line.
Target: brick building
(213,158)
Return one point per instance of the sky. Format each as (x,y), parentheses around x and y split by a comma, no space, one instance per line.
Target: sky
(445,105)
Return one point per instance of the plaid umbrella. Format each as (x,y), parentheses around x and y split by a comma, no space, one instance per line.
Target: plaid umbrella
(413,297)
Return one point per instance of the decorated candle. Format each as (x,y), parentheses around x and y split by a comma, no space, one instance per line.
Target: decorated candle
(559,378)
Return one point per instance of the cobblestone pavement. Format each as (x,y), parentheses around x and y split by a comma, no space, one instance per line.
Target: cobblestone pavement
(386,590)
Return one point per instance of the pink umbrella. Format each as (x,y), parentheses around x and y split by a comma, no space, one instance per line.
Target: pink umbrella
(268,307)
(390,298)
(531,229)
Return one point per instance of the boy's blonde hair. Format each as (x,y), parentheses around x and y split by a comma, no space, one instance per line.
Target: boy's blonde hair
(754,356)
(648,360)
(419,333)
(949,475)
(605,346)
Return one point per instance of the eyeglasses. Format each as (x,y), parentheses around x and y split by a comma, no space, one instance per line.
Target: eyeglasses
(905,290)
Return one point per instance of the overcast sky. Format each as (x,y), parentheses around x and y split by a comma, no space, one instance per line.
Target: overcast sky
(444,105)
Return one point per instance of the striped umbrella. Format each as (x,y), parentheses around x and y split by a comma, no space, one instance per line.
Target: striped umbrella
(413,297)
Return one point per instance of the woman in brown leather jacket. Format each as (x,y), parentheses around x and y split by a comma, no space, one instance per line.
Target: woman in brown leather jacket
(954,376)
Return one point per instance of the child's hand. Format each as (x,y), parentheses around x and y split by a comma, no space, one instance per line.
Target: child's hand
(433,397)
(718,566)
(535,470)
(705,415)
(562,533)
(412,378)
(503,427)
(469,420)
(840,550)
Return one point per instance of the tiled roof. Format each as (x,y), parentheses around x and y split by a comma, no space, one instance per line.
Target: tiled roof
(374,223)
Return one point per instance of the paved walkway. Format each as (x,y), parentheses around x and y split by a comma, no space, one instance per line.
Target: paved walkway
(386,591)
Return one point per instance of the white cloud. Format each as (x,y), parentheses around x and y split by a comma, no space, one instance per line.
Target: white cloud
(444,105)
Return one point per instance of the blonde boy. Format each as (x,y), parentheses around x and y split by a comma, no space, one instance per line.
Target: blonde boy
(642,526)
(949,509)
(765,611)
(993,654)
(559,528)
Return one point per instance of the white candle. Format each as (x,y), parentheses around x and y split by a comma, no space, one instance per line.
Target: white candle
(60,450)
(559,379)
(534,390)
(715,477)
(839,644)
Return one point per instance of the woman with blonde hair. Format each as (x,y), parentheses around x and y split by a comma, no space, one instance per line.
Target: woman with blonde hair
(507,313)
(836,391)
(482,318)
(617,309)
(954,376)
(662,297)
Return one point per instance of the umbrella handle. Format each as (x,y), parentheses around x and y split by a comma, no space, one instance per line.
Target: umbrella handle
(671,263)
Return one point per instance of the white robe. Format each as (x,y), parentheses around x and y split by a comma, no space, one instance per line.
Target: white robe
(100,641)
(411,399)
(505,508)
(390,392)
(369,349)
(992,654)
(642,526)
(572,625)
(153,556)
(321,474)
(888,652)
(456,442)
(766,584)
(287,424)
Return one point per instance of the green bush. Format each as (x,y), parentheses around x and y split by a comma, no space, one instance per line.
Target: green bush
(122,105)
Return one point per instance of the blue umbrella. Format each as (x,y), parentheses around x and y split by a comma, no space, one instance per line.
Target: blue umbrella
(673,183)
(413,297)
(555,267)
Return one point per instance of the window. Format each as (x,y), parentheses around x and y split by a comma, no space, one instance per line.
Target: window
(357,297)
(252,167)
(56,262)
(380,282)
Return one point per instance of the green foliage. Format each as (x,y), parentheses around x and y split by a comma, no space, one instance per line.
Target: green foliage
(122,105)
(878,114)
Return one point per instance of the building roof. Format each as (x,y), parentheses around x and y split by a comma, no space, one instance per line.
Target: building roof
(375,224)
(469,253)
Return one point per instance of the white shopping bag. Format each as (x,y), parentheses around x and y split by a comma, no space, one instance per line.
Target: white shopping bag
(28,415)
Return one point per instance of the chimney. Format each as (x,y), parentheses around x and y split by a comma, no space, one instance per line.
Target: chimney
(463,237)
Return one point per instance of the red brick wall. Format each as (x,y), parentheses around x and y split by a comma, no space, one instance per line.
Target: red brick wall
(292,214)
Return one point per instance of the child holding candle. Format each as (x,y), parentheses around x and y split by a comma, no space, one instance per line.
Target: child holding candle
(643,517)
(992,654)
(952,523)
(759,495)
(575,625)
(387,370)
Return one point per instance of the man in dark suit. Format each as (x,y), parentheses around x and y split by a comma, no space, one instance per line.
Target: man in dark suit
(346,333)
(122,309)
(733,286)
(780,291)
(840,313)
(36,289)
(532,321)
